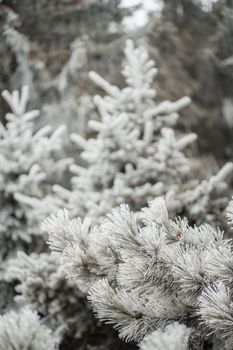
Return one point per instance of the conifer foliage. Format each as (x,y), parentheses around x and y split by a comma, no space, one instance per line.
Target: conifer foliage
(145,271)
(174,337)
(160,281)
(29,159)
(22,330)
(44,287)
(136,154)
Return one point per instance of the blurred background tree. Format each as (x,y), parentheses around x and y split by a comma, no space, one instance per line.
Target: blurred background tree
(191,41)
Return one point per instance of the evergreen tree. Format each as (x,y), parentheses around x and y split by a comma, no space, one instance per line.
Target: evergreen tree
(134,157)
(30,163)
(41,285)
(136,154)
(22,330)
(142,272)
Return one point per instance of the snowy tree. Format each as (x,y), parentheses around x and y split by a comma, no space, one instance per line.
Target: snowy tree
(31,160)
(123,160)
(67,103)
(136,154)
(134,157)
(26,68)
(60,97)
(42,285)
(23,330)
(174,337)
(29,165)
(144,271)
